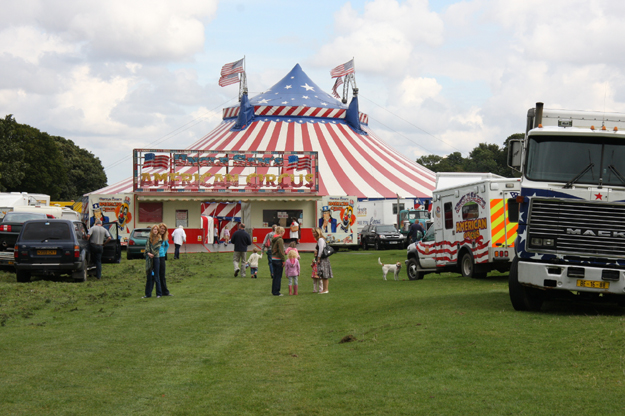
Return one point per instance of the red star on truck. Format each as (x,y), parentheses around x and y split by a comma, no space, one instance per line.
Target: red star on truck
(598,196)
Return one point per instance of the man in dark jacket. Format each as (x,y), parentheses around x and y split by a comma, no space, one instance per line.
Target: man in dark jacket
(241,240)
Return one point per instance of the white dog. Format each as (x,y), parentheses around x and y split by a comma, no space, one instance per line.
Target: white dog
(395,268)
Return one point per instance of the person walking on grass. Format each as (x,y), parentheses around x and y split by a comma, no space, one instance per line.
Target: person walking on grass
(267,247)
(152,264)
(291,267)
(179,237)
(252,262)
(324,270)
(216,236)
(98,237)
(241,240)
(162,257)
(277,261)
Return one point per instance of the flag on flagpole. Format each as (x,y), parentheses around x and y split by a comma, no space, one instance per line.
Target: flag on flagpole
(156,161)
(229,79)
(232,67)
(338,82)
(298,162)
(346,68)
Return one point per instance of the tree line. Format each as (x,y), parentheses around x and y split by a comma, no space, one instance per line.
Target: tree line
(36,162)
(485,157)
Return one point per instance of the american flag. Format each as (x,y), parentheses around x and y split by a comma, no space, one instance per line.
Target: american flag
(232,67)
(338,82)
(298,162)
(229,79)
(158,162)
(346,68)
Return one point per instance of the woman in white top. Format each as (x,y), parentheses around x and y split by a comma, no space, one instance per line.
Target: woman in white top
(179,237)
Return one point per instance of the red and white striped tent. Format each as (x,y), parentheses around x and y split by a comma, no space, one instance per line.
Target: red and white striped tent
(296,115)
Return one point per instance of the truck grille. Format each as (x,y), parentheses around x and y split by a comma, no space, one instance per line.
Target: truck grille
(579,228)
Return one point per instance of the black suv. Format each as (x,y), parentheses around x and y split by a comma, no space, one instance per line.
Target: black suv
(381,236)
(57,247)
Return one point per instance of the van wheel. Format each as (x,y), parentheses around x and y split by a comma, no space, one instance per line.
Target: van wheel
(81,275)
(22,276)
(523,298)
(466,264)
(413,270)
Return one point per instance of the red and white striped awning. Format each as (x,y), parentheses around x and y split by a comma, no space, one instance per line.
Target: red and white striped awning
(349,163)
(221,210)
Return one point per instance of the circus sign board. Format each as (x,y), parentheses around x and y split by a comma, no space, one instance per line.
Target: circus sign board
(224,171)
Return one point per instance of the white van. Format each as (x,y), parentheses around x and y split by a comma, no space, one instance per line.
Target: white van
(57,212)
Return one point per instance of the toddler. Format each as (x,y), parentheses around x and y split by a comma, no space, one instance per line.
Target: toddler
(292,247)
(291,268)
(316,280)
(252,262)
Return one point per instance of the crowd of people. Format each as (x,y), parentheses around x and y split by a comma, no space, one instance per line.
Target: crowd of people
(280,260)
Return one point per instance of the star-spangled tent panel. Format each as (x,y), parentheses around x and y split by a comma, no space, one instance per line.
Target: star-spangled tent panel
(311,120)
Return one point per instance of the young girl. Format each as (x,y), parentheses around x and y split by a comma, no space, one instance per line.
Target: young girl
(152,263)
(162,256)
(315,277)
(292,247)
(291,267)
(253,262)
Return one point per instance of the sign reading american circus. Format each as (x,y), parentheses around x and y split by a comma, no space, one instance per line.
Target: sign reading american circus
(224,171)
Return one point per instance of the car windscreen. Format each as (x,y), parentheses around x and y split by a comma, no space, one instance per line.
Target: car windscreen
(22,216)
(141,234)
(41,231)
(385,229)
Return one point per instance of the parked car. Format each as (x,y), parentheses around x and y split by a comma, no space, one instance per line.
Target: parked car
(136,243)
(54,247)
(11,226)
(381,237)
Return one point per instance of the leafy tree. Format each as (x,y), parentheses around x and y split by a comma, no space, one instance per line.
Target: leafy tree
(44,170)
(84,171)
(11,155)
(485,157)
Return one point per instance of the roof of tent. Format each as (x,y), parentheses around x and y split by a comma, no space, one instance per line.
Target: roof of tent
(296,115)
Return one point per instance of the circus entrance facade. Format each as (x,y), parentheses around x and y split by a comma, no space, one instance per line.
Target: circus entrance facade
(204,190)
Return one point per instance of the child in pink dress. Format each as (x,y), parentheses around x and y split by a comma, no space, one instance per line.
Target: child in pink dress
(291,269)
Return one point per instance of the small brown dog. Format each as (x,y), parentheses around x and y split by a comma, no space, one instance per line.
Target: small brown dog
(395,268)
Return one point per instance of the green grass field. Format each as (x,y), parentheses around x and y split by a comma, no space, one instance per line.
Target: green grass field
(221,345)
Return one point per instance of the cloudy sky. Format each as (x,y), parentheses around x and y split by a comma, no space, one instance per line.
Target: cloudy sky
(434,76)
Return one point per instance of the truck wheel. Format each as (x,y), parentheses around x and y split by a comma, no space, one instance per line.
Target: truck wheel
(378,246)
(413,270)
(466,264)
(523,298)
(22,276)
(363,244)
(81,275)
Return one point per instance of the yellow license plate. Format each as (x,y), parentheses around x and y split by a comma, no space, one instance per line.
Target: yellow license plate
(143,251)
(10,263)
(46,252)
(593,284)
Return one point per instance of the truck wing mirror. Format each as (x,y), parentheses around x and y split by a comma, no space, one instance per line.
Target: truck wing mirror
(515,160)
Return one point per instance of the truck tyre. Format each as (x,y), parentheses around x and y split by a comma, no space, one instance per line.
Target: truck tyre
(81,275)
(22,276)
(413,270)
(523,298)
(363,244)
(378,246)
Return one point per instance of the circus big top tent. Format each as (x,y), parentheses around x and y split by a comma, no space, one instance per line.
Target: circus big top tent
(286,154)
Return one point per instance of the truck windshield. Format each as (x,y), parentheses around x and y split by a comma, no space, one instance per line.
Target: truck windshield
(587,160)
